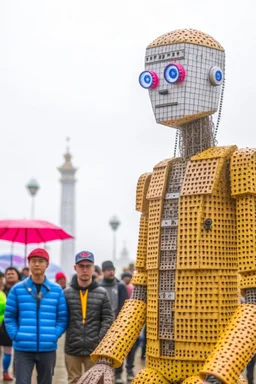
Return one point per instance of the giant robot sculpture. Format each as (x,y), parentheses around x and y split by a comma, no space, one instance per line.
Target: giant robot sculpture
(197,229)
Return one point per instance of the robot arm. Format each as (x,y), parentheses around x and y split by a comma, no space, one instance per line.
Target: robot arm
(126,329)
(235,348)
(122,335)
(237,344)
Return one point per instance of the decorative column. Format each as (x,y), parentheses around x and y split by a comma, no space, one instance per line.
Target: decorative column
(114,224)
(67,213)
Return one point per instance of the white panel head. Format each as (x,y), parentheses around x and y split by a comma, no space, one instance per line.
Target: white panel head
(183,73)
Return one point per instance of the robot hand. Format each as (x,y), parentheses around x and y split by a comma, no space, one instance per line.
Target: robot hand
(99,374)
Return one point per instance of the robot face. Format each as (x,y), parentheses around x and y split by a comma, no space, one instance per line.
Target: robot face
(184,81)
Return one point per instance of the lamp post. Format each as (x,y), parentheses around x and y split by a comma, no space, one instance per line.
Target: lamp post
(32,188)
(114,224)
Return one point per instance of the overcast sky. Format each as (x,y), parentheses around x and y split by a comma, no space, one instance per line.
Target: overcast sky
(70,68)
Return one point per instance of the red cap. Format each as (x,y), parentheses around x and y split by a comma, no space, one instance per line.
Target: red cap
(39,252)
(60,275)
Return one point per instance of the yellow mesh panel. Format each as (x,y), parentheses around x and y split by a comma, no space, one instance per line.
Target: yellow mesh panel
(186,119)
(248,280)
(193,350)
(208,249)
(149,376)
(140,278)
(158,181)
(152,304)
(189,230)
(205,301)
(154,228)
(142,188)
(193,380)
(142,242)
(218,247)
(153,348)
(123,333)
(174,370)
(201,177)
(235,348)
(215,153)
(246,232)
(243,172)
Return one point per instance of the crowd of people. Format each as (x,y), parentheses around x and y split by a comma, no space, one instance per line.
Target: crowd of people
(35,313)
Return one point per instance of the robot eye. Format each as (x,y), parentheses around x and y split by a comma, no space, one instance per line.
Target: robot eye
(148,79)
(216,76)
(174,73)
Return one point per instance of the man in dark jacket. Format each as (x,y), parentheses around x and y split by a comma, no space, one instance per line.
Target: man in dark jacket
(90,316)
(118,293)
(116,290)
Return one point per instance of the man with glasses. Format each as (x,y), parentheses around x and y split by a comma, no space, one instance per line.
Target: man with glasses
(90,316)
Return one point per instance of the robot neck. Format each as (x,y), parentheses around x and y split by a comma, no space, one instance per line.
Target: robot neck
(196,136)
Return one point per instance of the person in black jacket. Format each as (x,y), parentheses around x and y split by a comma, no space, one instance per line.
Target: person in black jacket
(116,289)
(118,293)
(90,316)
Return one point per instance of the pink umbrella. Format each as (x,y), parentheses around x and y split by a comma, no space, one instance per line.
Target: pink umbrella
(31,232)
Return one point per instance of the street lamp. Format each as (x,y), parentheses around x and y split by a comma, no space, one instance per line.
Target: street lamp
(114,224)
(32,188)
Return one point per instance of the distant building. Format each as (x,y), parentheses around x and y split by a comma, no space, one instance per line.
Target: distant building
(123,261)
(67,213)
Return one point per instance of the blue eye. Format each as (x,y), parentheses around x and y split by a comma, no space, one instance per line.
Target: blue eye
(174,73)
(216,76)
(148,79)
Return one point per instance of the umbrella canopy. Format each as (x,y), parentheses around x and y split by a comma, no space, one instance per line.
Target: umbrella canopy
(31,231)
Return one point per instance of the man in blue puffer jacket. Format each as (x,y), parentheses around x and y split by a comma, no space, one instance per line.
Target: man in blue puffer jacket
(35,317)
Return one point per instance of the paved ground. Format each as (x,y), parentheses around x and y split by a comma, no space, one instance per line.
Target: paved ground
(60,376)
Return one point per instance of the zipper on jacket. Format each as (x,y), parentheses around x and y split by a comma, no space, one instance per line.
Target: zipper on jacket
(37,321)
(84,333)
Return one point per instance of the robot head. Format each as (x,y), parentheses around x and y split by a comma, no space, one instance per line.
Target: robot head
(184,71)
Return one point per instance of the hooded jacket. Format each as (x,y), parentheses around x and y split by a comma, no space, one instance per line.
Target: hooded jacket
(117,292)
(82,339)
